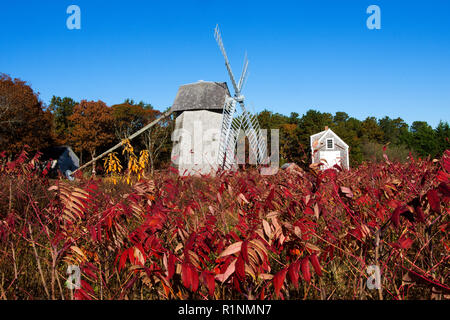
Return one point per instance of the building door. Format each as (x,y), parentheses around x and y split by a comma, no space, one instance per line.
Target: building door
(330,158)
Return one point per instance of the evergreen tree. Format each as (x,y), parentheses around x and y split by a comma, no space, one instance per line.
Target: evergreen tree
(62,109)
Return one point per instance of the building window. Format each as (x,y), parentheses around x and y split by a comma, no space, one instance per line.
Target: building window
(330,144)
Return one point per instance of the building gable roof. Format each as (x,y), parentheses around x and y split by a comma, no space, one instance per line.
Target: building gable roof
(202,95)
(323,134)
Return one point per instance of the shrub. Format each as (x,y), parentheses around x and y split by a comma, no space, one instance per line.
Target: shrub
(293,235)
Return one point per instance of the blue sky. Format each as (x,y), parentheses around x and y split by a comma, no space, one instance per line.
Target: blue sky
(303,54)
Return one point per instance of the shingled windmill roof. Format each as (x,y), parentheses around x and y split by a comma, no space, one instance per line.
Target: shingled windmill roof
(202,95)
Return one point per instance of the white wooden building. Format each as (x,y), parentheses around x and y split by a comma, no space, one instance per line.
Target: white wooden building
(327,148)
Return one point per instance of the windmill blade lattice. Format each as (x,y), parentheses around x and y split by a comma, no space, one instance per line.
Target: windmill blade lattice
(252,130)
(229,133)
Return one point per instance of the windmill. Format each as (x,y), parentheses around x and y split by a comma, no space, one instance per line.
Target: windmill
(232,123)
(206,105)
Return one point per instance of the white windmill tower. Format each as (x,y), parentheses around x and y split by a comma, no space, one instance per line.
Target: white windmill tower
(232,122)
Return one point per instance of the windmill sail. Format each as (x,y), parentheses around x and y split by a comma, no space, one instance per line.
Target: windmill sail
(224,53)
(244,73)
(232,125)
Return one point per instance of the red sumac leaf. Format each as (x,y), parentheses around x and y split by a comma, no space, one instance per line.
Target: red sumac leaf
(356,233)
(444,188)
(405,243)
(171,265)
(420,214)
(93,233)
(86,286)
(287,193)
(305,269)
(131,255)
(123,259)
(394,204)
(194,278)
(80,294)
(240,267)
(395,218)
(89,273)
(446,160)
(209,281)
(244,251)
(316,265)
(380,213)
(293,273)
(237,284)
(278,280)
(186,275)
(443,176)
(235,236)
(270,198)
(433,200)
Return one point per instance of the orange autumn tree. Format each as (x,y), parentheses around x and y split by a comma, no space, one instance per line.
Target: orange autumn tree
(23,120)
(128,118)
(93,127)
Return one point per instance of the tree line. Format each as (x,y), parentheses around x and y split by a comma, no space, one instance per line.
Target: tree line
(91,127)
(365,138)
